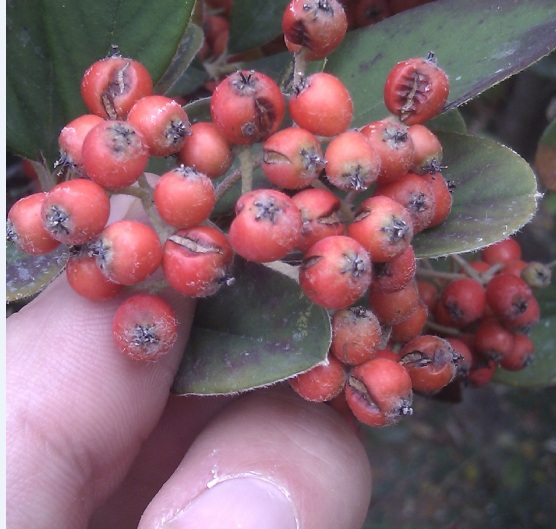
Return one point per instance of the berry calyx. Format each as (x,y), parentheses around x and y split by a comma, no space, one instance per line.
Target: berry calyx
(144,327)
(335,272)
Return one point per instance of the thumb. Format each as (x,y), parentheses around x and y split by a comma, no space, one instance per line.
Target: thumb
(77,409)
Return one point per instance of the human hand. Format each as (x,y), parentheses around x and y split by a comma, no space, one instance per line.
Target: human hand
(95,440)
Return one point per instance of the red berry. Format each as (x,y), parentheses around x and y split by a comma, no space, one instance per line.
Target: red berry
(442,198)
(127,252)
(481,372)
(431,363)
(479,266)
(383,227)
(184,197)
(162,122)
(396,273)
(111,86)
(393,307)
(508,296)
(379,392)
(387,353)
(197,261)
(492,340)
(217,34)
(76,211)
(87,279)
(315,27)
(394,147)
(292,158)
(428,293)
(319,210)
(414,194)
(25,228)
(71,140)
(351,163)
(502,252)
(114,154)
(335,272)
(322,105)
(144,327)
(247,107)
(321,383)
(464,300)
(525,321)
(521,354)
(412,325)
(416,90)
(207,150)
(427,150)
(356,335)
(515,267)
(466,354)
(267,226)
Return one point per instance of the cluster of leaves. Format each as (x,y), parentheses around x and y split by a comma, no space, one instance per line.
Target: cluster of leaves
(263,329)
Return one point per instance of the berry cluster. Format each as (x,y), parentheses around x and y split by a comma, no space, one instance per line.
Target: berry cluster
(338,214)
(486,309)
(480,313)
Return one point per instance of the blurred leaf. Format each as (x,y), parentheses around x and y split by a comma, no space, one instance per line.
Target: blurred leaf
(199,110)
(546,67)
(191,80)
(259,331)
(27,275)
(477,42)
(254,23)
(542,371)
(189,45)
(495,195)
(545,157)
(50,44)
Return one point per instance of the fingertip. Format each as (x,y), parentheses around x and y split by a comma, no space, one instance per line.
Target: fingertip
(304,450)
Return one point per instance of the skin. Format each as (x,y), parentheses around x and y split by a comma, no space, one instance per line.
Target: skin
(95,440)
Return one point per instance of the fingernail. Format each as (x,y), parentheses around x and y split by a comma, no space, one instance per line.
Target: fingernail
(249,503)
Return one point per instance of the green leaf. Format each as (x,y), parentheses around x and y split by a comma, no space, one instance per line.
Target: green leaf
(253,23)
(495,195)
(198,110)
(451,121)
(478,43)
(27,275)
(189,45)
(50,44)
(542,371)
(191,80)
(259,331)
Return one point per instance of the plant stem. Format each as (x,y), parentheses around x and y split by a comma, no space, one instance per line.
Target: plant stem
(246,168)
(229,181)
(299,67)
(164,230)
(427,272)
(442,329)
(46,179)
(133,191)
(469,270)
